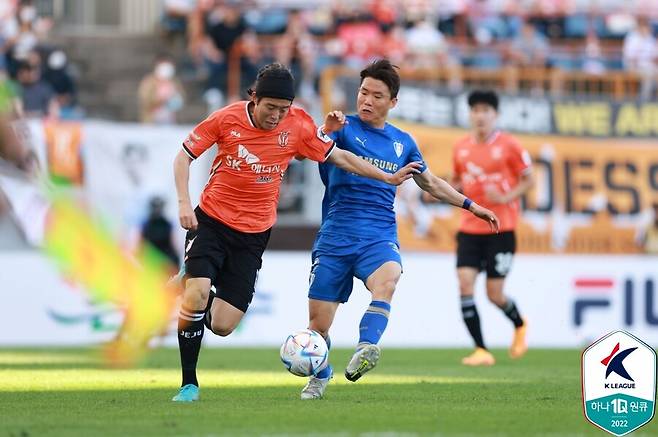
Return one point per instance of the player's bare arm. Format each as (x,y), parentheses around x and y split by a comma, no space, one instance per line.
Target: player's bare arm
(443,191)
(526,182)
(186,215)
(455,182)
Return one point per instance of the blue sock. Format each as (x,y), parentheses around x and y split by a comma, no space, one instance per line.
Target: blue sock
(327,371)
(373,323)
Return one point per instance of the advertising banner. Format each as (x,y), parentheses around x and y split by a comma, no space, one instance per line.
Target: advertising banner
(424,102)
(569,301)
(590,196)
(117,168)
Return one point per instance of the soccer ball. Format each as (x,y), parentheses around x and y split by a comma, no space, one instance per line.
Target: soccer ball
(304,353)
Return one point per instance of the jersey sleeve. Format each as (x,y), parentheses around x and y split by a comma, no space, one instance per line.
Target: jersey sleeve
(203,136)
(336,136)
(519,159)
(415,155)
(314,144)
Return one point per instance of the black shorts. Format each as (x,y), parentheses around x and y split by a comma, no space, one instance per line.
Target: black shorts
(491,252)
(229,258)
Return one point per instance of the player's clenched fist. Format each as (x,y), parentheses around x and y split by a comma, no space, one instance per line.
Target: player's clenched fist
(406,172)
(187,217)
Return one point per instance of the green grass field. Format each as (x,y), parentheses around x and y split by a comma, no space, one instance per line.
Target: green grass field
(247,392)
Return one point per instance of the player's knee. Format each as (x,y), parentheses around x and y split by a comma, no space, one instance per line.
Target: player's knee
(495,297)
(466,289)
(384,290)
(196,295)
(221,329)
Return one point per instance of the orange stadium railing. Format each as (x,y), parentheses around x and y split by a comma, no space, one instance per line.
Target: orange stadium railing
(612,85)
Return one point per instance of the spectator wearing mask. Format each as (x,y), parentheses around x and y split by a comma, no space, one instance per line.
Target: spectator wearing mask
(160,93)
(58,76)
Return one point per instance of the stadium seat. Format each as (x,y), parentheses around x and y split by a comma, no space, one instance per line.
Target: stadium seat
(575,26)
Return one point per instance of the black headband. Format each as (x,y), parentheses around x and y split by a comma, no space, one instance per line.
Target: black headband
(277,87)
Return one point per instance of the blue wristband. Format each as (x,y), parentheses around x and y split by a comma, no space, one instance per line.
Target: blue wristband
(467,203)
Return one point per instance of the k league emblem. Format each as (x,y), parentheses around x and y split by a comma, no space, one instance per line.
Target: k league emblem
(619,383)
(283,138)
(398,147)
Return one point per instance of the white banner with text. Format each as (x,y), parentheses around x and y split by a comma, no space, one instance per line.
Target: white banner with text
(569,301)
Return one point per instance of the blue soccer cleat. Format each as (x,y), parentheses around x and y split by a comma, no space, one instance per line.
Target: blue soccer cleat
(187,393)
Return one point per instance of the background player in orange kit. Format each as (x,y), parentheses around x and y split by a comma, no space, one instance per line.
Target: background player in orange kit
(492,169)
(230,228)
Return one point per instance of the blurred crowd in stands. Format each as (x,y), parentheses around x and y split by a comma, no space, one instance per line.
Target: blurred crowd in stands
(226,41)
(591,36)
(35,77)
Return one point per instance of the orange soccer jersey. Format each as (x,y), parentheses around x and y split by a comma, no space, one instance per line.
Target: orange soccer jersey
(245,178)
(498,163)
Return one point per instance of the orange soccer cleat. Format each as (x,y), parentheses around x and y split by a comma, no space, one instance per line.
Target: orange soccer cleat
(519,345)
(480,357)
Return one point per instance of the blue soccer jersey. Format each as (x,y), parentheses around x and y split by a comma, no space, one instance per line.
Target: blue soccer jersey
(358,232)
(358,206)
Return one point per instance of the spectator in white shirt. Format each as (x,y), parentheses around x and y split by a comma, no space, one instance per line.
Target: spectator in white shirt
(640,55)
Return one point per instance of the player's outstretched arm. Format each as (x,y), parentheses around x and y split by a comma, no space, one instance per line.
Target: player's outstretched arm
(443,191)
(186,214)
(348,161)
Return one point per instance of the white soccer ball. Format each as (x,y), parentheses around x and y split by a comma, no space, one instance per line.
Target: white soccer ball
(304,353)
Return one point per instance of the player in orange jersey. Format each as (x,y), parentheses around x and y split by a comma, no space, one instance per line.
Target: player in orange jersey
(492,169)
(230,228)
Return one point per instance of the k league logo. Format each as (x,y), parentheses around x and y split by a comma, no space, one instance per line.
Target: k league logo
(615,362)
(619,383)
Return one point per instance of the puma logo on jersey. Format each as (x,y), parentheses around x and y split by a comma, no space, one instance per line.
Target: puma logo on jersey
(244,154)
(235,133)
(360,141)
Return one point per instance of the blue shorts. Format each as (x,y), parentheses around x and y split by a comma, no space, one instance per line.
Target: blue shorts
(337,259)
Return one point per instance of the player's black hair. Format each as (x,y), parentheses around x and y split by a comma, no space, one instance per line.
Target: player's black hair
(486,97)
(274,80)
(386,72)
